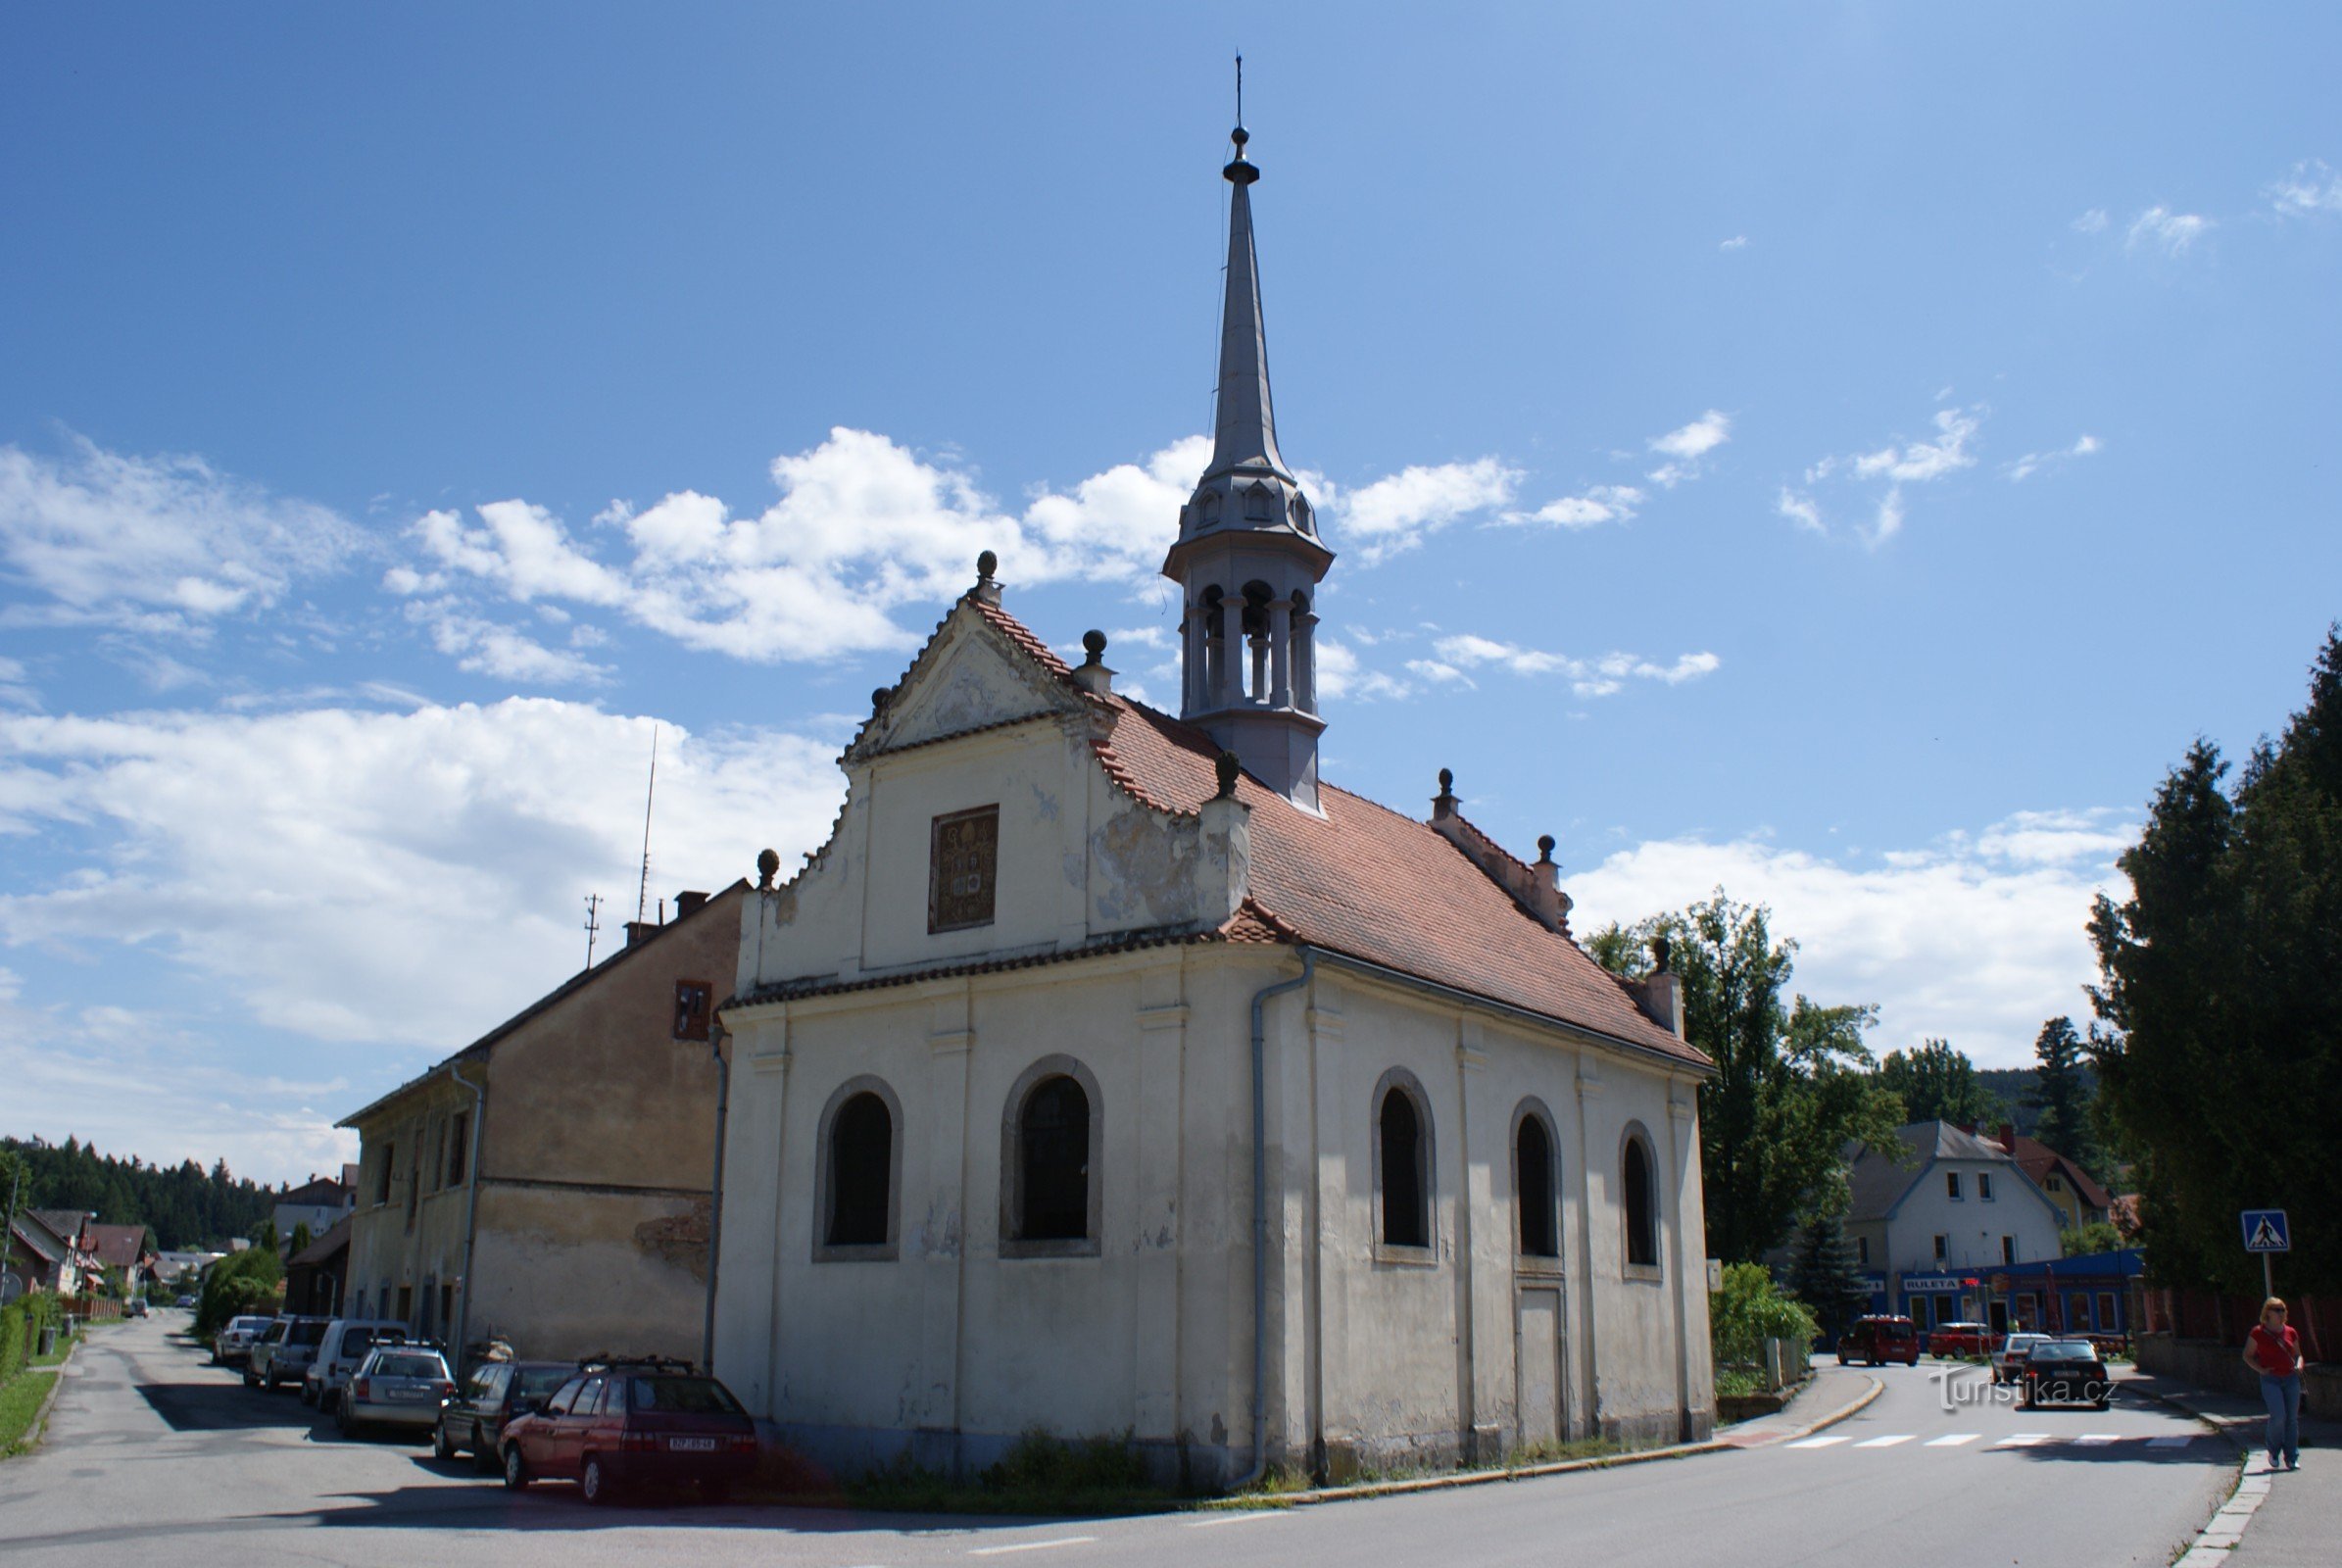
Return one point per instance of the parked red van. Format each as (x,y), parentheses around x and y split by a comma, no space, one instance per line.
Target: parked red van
(1873,1340)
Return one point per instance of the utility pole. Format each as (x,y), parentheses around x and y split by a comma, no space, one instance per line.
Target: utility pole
(593,924)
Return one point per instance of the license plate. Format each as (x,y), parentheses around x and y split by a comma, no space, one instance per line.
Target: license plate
(404,1394)
(692,1445)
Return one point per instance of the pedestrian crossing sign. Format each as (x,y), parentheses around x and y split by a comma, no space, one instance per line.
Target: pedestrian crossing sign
(2265,1231)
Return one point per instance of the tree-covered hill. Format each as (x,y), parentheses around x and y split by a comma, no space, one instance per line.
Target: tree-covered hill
(185,1206)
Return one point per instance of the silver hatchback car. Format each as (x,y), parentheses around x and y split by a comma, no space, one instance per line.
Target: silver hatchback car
(395,1386)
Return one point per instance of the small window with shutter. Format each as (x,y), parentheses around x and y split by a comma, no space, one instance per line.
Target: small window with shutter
(961,869)
(694,1008)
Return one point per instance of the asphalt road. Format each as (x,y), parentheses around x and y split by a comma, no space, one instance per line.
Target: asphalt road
(151,1452)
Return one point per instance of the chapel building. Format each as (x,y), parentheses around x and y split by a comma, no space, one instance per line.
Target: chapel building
(1109,1071)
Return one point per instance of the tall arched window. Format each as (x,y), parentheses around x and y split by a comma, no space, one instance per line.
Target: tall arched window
(862,1160)
(860,1171)
(1639,1198)
(1533,1188)
(1402,1157)
(1054,1162)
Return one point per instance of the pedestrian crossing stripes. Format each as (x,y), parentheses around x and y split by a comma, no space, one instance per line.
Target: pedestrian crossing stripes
(2015,1440)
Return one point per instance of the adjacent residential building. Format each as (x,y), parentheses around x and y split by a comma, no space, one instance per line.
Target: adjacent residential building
(1110,1071)
(320,1204)
(315,1276)
(2079,1198)
(549,1185)
(38,1256)
(119,1246)
(1930,1223)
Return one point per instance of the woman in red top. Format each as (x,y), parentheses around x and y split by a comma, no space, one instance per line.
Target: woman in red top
(2273,1351)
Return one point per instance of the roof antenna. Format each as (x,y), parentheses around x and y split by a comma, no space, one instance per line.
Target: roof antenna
(641,897)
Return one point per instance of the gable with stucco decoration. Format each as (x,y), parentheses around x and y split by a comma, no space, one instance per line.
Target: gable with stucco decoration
(969,682)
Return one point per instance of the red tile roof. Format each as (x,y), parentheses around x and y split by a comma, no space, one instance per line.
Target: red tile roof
(1365,881)
(115,1246)
(2037,1159)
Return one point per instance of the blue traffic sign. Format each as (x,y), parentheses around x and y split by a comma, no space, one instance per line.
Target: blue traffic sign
(2265,1231)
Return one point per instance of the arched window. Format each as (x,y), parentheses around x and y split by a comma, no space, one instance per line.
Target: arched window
(1639,1198)
(1402,1162)
(861,1150)
(1259,504)
(1211,507)
(860,1173)
(1534,1187)
(1054,1162)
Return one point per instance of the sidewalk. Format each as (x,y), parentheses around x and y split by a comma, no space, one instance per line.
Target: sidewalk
(1830,1395)
(2298,1523)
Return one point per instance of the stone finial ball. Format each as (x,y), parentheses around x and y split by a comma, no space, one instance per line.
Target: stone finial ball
(1094,643)
(986,564)
(878,696)
(1240,135)
(1446,781)
(1225,765)
(1544,845)
(1661,950)
(769,865)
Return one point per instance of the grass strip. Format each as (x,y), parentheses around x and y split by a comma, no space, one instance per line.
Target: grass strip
(19,1402)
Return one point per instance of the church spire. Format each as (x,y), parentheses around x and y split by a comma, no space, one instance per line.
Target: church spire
(1247,559)
(1244,426)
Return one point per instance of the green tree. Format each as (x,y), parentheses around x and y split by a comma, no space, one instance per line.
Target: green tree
(300,1238)
(1793,1084)
(241,1282)
(2223,1047)
(1937,1083)
(1827,1277)
(2080,1240)
(263,1235)
(2062,1097)
(1749,1310)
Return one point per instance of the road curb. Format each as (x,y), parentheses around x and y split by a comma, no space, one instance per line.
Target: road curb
(1530,1472)
(39,1428)
(2223,1532)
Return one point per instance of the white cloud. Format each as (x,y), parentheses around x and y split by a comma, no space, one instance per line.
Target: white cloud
(1601,503)
(161,544)
(2033,463)
(862,528)
(2312,187)
(1685,447)
(1898,464)
(1600,677)
(386,879)
(2166,231)
(1799,509)
(487,649)
(1340,675)
(1976,939)
(2092,221)
(1738,242)
(1401,511)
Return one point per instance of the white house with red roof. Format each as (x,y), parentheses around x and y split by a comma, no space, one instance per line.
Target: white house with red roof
(1110,1071)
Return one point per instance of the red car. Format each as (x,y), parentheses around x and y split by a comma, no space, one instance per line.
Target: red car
(1877,1340)
(1963,1339)
(618,1426)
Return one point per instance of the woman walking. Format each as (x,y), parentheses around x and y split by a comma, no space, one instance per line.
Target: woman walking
(2273,1351)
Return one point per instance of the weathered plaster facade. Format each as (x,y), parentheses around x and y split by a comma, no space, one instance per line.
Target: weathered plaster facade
(578,1172)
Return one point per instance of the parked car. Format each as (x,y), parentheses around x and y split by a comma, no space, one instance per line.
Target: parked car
(2068,1372)
(473,1421)
(185,1301)
(1962,1338)
(343,1345)
(396,1386)
(622,1425)
(1873,1340)
(262,1343)
(286,1357)
(232,1344)
(135,1306)
(2008,1362)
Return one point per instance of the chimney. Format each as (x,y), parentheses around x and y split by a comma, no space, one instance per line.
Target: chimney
(641,931)
(2008,1137)
(688,904)
(1224,870)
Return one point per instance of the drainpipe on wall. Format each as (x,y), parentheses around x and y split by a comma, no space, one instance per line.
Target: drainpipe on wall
(1260,1219)
(472,1206)
(715,1190)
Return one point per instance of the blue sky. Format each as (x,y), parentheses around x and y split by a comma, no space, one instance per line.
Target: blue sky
(1842,454)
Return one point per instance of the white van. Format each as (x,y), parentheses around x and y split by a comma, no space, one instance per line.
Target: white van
(346,1340)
